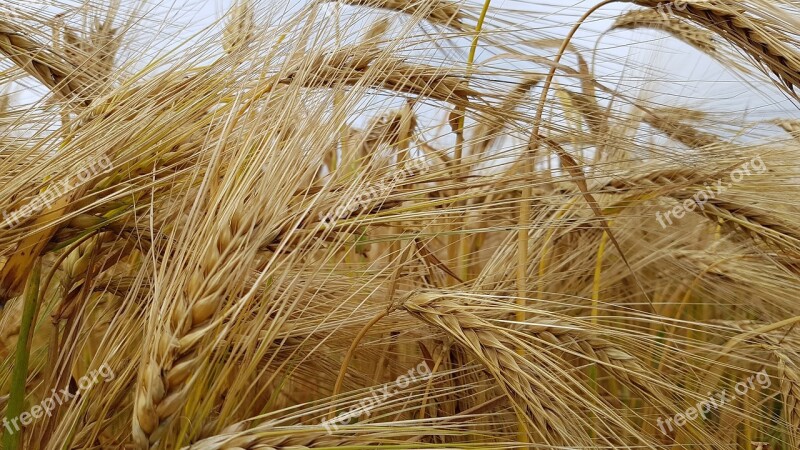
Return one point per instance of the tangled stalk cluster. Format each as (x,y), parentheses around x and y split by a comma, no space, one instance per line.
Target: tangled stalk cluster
(299,206)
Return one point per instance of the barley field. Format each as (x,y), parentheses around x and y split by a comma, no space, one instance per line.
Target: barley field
(400,224)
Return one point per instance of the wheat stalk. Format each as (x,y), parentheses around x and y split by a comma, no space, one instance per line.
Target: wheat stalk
(362,64)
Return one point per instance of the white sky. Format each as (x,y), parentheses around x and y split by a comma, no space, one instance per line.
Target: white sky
(632,61)
(682,75)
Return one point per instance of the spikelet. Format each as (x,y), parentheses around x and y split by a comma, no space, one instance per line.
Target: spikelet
(790,126)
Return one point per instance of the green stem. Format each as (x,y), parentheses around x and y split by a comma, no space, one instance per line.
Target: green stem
(16,400)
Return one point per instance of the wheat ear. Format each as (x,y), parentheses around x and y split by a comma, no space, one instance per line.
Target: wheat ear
(699,38)
(163,381)
(687,135)
(790,390)
(740,215)
(255,440)
(498,355)
(361,64)
(728,20)
(56,74)
(497,348)
(438,12)
(682,184)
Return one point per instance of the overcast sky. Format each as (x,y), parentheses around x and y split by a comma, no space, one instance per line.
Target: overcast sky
(646,59)
(673,73)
